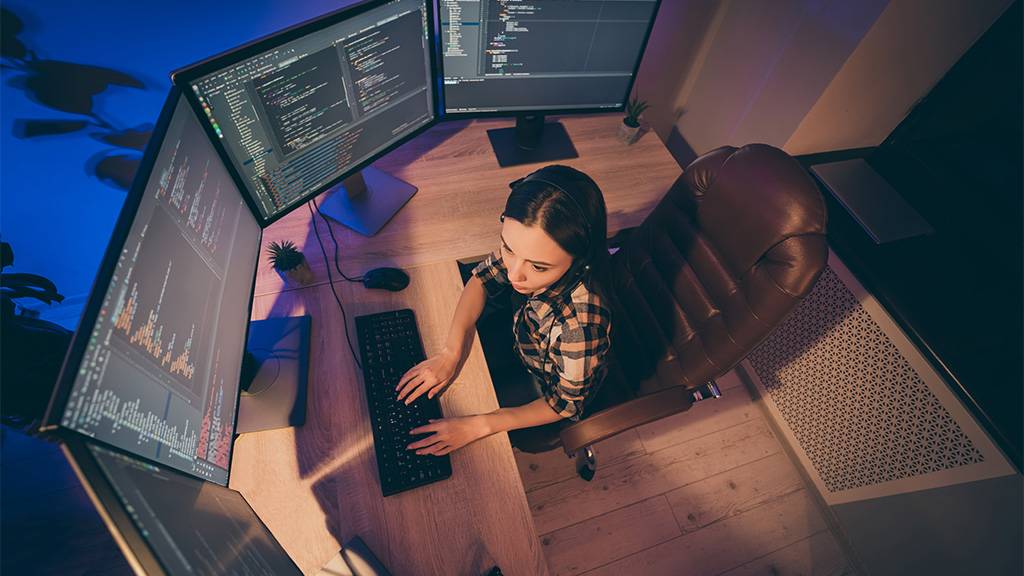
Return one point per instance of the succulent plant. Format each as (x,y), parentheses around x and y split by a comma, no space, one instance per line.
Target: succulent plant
(634,109)
(284,255)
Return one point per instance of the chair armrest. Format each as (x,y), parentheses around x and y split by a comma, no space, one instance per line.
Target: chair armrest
(622,417)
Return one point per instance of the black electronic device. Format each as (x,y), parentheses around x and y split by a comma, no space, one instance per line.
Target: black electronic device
(389,344)
(531,59)
(310,107)
(393,279)
(166,522)
(154,365)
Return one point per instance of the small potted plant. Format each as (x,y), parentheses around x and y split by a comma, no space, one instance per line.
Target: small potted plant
(289,262)
(629,132)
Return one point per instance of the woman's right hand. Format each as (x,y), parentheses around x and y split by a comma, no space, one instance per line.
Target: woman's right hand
(429,377)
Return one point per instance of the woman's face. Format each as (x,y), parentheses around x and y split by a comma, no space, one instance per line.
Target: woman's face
(533,259)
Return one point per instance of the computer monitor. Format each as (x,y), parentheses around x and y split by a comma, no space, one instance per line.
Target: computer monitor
(168,523)
(301,110)
(528,59)
(154,365)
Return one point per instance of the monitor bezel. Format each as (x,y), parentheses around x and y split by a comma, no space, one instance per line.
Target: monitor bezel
(466,115)
(51,422)
(183,77)
(108,504)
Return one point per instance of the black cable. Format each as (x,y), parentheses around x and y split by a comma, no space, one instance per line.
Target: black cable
(334,240)
(330,281)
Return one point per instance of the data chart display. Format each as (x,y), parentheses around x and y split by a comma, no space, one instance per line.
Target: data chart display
(160,372)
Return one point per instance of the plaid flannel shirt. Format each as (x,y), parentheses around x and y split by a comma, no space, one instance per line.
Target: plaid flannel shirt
(561,335)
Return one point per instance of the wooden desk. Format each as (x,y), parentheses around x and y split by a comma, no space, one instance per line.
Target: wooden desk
(316,486)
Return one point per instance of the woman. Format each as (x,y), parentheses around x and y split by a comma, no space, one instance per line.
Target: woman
(554,256)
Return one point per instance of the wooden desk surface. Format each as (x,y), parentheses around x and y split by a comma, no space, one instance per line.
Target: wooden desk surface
(316,486)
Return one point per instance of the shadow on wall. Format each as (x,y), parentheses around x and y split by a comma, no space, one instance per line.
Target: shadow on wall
(69,89)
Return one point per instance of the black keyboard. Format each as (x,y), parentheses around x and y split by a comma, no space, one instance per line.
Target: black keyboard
(390,344)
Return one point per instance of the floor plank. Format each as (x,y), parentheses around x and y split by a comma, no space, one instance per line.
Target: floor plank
(733,492)
(610,536)
(562,504)
(818,555)
(547,468)
(734,407)
(727,544)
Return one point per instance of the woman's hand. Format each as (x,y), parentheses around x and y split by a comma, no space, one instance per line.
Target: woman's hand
(429,377)
(449,434)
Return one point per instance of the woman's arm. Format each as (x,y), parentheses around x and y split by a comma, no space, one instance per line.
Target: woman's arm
(453,433)
(535,413)
(433,374)
(467,312)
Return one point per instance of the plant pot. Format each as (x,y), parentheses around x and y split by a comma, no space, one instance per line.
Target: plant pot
(628,134)
(300,275)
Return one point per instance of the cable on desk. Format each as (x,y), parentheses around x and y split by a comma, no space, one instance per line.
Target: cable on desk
(330,282)
(334,240)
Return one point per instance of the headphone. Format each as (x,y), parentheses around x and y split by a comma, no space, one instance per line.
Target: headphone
(552,176)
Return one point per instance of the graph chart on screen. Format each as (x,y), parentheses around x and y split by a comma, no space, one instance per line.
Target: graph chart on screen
(160,374)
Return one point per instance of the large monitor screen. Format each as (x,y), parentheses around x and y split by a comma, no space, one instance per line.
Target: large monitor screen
(189,526)
(524,55)
(297,112)
(159,373)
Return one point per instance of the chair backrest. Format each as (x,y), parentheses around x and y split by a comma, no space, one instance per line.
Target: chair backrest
(734,245)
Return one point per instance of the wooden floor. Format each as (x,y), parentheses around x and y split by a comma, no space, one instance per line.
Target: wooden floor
(706,492)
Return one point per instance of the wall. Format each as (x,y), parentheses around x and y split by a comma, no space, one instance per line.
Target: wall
(809,75)
(675,45)
(908,50)
(764,66)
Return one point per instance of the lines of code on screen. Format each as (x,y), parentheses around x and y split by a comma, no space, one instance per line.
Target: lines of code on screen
(509,55)
(297,117)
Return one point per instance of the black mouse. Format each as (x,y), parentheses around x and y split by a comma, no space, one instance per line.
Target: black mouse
(386,279)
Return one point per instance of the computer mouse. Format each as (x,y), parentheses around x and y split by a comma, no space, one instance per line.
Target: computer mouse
(391,279)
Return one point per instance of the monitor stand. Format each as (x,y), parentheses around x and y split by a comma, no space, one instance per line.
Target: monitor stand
(366,200)
(531,141)
(274,375)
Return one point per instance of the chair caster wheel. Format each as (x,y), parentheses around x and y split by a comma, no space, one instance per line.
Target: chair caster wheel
(586,465)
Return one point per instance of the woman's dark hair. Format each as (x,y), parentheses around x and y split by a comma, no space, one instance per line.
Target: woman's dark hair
(568,205)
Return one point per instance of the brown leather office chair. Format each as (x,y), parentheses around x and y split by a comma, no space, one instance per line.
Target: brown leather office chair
(735,244)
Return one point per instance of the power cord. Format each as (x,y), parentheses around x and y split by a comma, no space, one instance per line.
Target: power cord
(334,240)
(330,277)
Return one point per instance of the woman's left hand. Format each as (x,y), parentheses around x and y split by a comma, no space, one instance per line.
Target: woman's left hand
(449,434)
